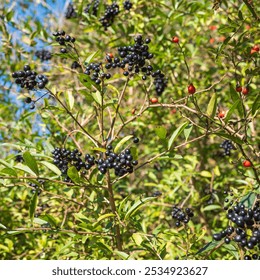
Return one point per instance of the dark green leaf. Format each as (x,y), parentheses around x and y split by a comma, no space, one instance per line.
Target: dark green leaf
(31,162)
(249,199)
(212,106)
(175,134)
(232,109)
(137,205)
(73,174)
(187,131)
(8,171)
(208,247)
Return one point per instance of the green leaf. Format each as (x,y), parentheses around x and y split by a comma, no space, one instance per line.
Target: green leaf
(97,97)
(31,162)
(50,219)
(5,163)
(205,173)
(73,174)
(52,167)
(90,57)
(2,226)
(249,199)
(212,106)
(235,96)
(33,204)
(187,131)
(240,15)
(211,207)
(25,168)
(105,216)
(138,239)
(122,142)
(161,132)
(84,79)
(39,221)
(70,99)
(137,205)
(233,249)
(176,133)
(8,171)
(232,109)
(222,46)
(208,247)
(122,255)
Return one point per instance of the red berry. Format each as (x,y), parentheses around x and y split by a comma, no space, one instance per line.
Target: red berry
(154,100)
(175,39)
(245,90)
(256,48)
(247,163)
(213,27)
(191,89)
(221,114)
(110,55)
(238,88)
(253,51)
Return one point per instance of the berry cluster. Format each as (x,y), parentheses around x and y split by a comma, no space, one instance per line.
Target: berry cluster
(92,7)
(29,79)
(111,12)
(122,163)
(36,187)
(43,55)
(227,146)
(127,5)
(246,230)
(97,72)
(70,12)
(252,257)
(160,82)
(181,216)
(63,40)
(132,58)
(64,158)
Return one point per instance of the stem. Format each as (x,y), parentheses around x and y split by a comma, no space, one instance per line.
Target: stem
(70,114)
(113,207)
(102,111)
(185,61)
(117,109)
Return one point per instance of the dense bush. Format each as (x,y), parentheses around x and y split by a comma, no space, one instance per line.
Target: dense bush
(129,130)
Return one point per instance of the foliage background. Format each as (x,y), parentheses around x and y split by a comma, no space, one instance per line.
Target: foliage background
(74,220)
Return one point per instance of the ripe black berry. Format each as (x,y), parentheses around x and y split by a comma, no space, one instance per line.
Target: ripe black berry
(63,50)
(180,215)
(111,11)
(70,12)
(92,7)
(127,5)
(43,55)
(136,140)
(29,79)
(227,146)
